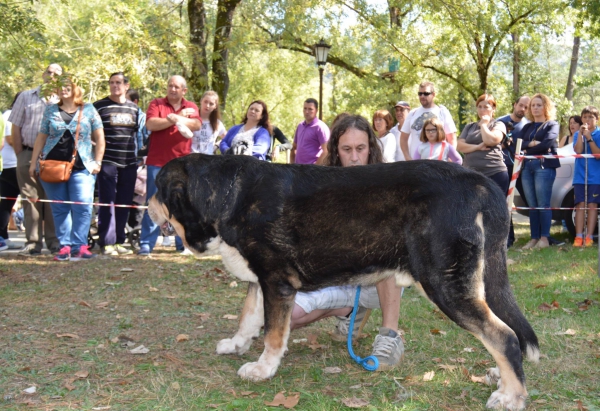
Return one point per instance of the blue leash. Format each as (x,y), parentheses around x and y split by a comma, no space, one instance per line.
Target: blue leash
(361,361)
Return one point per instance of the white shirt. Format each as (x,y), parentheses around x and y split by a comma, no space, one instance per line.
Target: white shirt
(388,147)
(414,123)
(203,140)
(9,158)
(396,132)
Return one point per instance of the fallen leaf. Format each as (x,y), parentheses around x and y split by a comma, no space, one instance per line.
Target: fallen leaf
(555,304)
(568,332)
(332,370)
(580,406)
(230,317)
(436,331)
(249,394)
(203,316)
(355,402)
(85,304)
(464,371)
(182,337)
(152,289)
(82,374)
(447,367)
(218,270)
(510,261)
(30,390)
(106,407)
(458,360)
(233,284)
(126,270)
(140,350)
(300,341)
(102,304)
(480,380)
(547,307)
(428,376)
(540,286)
(69,384)
(175,386)
(288,402)
(436,359)
(312,342)
(68,335)
(130,372)
(468,349)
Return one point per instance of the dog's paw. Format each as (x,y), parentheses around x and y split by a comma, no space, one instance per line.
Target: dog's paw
(256,371)
(226,346)
(504,401)
(492,376)
(233,346)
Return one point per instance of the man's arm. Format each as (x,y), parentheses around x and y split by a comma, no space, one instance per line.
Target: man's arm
(293,153)
(15,132)
(404,145)
(323,155)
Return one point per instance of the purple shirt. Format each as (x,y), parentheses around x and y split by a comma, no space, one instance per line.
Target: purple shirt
(308,140)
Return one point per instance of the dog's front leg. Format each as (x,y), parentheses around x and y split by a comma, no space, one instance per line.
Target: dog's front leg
(278,311)
(251,321)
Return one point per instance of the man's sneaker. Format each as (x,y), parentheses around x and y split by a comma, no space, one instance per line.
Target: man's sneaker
(340,333)
(144,250)
(3,245)
(578,242)
(388,348)
(187,251)
(82,254)
(122,250)
(589,241)
(166,241)
(29,250)
(109,250)
(64,254)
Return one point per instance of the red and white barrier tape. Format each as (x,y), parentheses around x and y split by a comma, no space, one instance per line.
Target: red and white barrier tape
(40,200)
(557,156)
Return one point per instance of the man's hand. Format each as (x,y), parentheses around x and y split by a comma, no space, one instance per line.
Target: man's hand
(173,118)
(187,112)
(97,168)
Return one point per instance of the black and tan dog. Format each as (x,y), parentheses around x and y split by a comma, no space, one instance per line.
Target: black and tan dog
(288,228)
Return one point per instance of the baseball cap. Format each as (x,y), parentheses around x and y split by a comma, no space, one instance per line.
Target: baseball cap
(403,104)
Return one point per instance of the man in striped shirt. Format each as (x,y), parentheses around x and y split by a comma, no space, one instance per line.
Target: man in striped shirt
(116,180)
(26,118)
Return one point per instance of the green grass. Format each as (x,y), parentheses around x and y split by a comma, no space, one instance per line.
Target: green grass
(40,298)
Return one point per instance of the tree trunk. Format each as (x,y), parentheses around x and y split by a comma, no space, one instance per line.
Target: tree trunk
(198,81)
(516,64)
(225,13)
(573,68)
(394,16)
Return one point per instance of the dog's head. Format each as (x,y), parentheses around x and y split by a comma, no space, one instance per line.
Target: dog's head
(180,206)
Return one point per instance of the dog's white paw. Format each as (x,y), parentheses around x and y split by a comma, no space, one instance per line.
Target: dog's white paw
(256,371)
(492,376)
(233,346)
(503,401)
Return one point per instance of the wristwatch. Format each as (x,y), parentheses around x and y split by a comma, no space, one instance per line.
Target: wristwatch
(591,140)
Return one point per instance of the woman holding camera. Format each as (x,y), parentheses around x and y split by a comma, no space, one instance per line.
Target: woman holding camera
(539,138)
(62,125)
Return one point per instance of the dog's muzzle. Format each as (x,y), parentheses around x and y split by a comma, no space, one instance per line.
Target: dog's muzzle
(167,229)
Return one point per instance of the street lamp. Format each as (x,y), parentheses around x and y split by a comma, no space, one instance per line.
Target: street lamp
(321,51)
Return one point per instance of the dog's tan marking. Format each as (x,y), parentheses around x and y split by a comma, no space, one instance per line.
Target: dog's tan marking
(251,321)
(511,394)
(276,339)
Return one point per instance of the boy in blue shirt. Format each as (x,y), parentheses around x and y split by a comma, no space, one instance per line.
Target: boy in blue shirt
(587,141)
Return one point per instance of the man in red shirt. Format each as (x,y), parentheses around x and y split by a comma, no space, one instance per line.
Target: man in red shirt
(170,120)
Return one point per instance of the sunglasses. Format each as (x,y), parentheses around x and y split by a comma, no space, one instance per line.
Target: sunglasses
(425,93)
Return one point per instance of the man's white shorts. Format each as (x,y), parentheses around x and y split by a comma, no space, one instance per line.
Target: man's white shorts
(337,297)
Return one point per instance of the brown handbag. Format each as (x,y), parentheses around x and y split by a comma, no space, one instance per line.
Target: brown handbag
(57,171)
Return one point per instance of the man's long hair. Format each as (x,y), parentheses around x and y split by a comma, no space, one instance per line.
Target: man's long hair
(340,127)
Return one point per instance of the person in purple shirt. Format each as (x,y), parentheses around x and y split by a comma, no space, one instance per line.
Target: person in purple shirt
(310,140)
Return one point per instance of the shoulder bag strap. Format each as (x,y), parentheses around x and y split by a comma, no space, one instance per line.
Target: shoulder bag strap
(77,133)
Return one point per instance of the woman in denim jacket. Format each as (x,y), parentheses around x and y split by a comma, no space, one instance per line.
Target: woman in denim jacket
(539,138)
(56,141)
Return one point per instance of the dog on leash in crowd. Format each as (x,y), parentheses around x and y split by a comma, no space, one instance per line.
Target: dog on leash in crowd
(288,228)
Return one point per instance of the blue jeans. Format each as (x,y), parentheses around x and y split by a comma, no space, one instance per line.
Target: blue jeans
(537,184)
(72,221)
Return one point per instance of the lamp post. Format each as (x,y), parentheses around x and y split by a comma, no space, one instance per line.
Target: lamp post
(321,51)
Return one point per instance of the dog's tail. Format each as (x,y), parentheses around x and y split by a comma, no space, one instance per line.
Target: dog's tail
(502,302)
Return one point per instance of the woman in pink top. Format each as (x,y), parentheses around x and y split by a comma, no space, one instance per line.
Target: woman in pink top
(433,143)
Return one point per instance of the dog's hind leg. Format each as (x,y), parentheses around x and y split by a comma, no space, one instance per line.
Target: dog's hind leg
(251,321)
(278,302)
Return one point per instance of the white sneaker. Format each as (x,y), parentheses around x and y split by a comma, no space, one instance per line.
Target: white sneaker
(166,241)
(187,251)
(388,348)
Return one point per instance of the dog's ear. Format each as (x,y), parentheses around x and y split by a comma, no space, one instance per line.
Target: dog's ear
(175,197)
